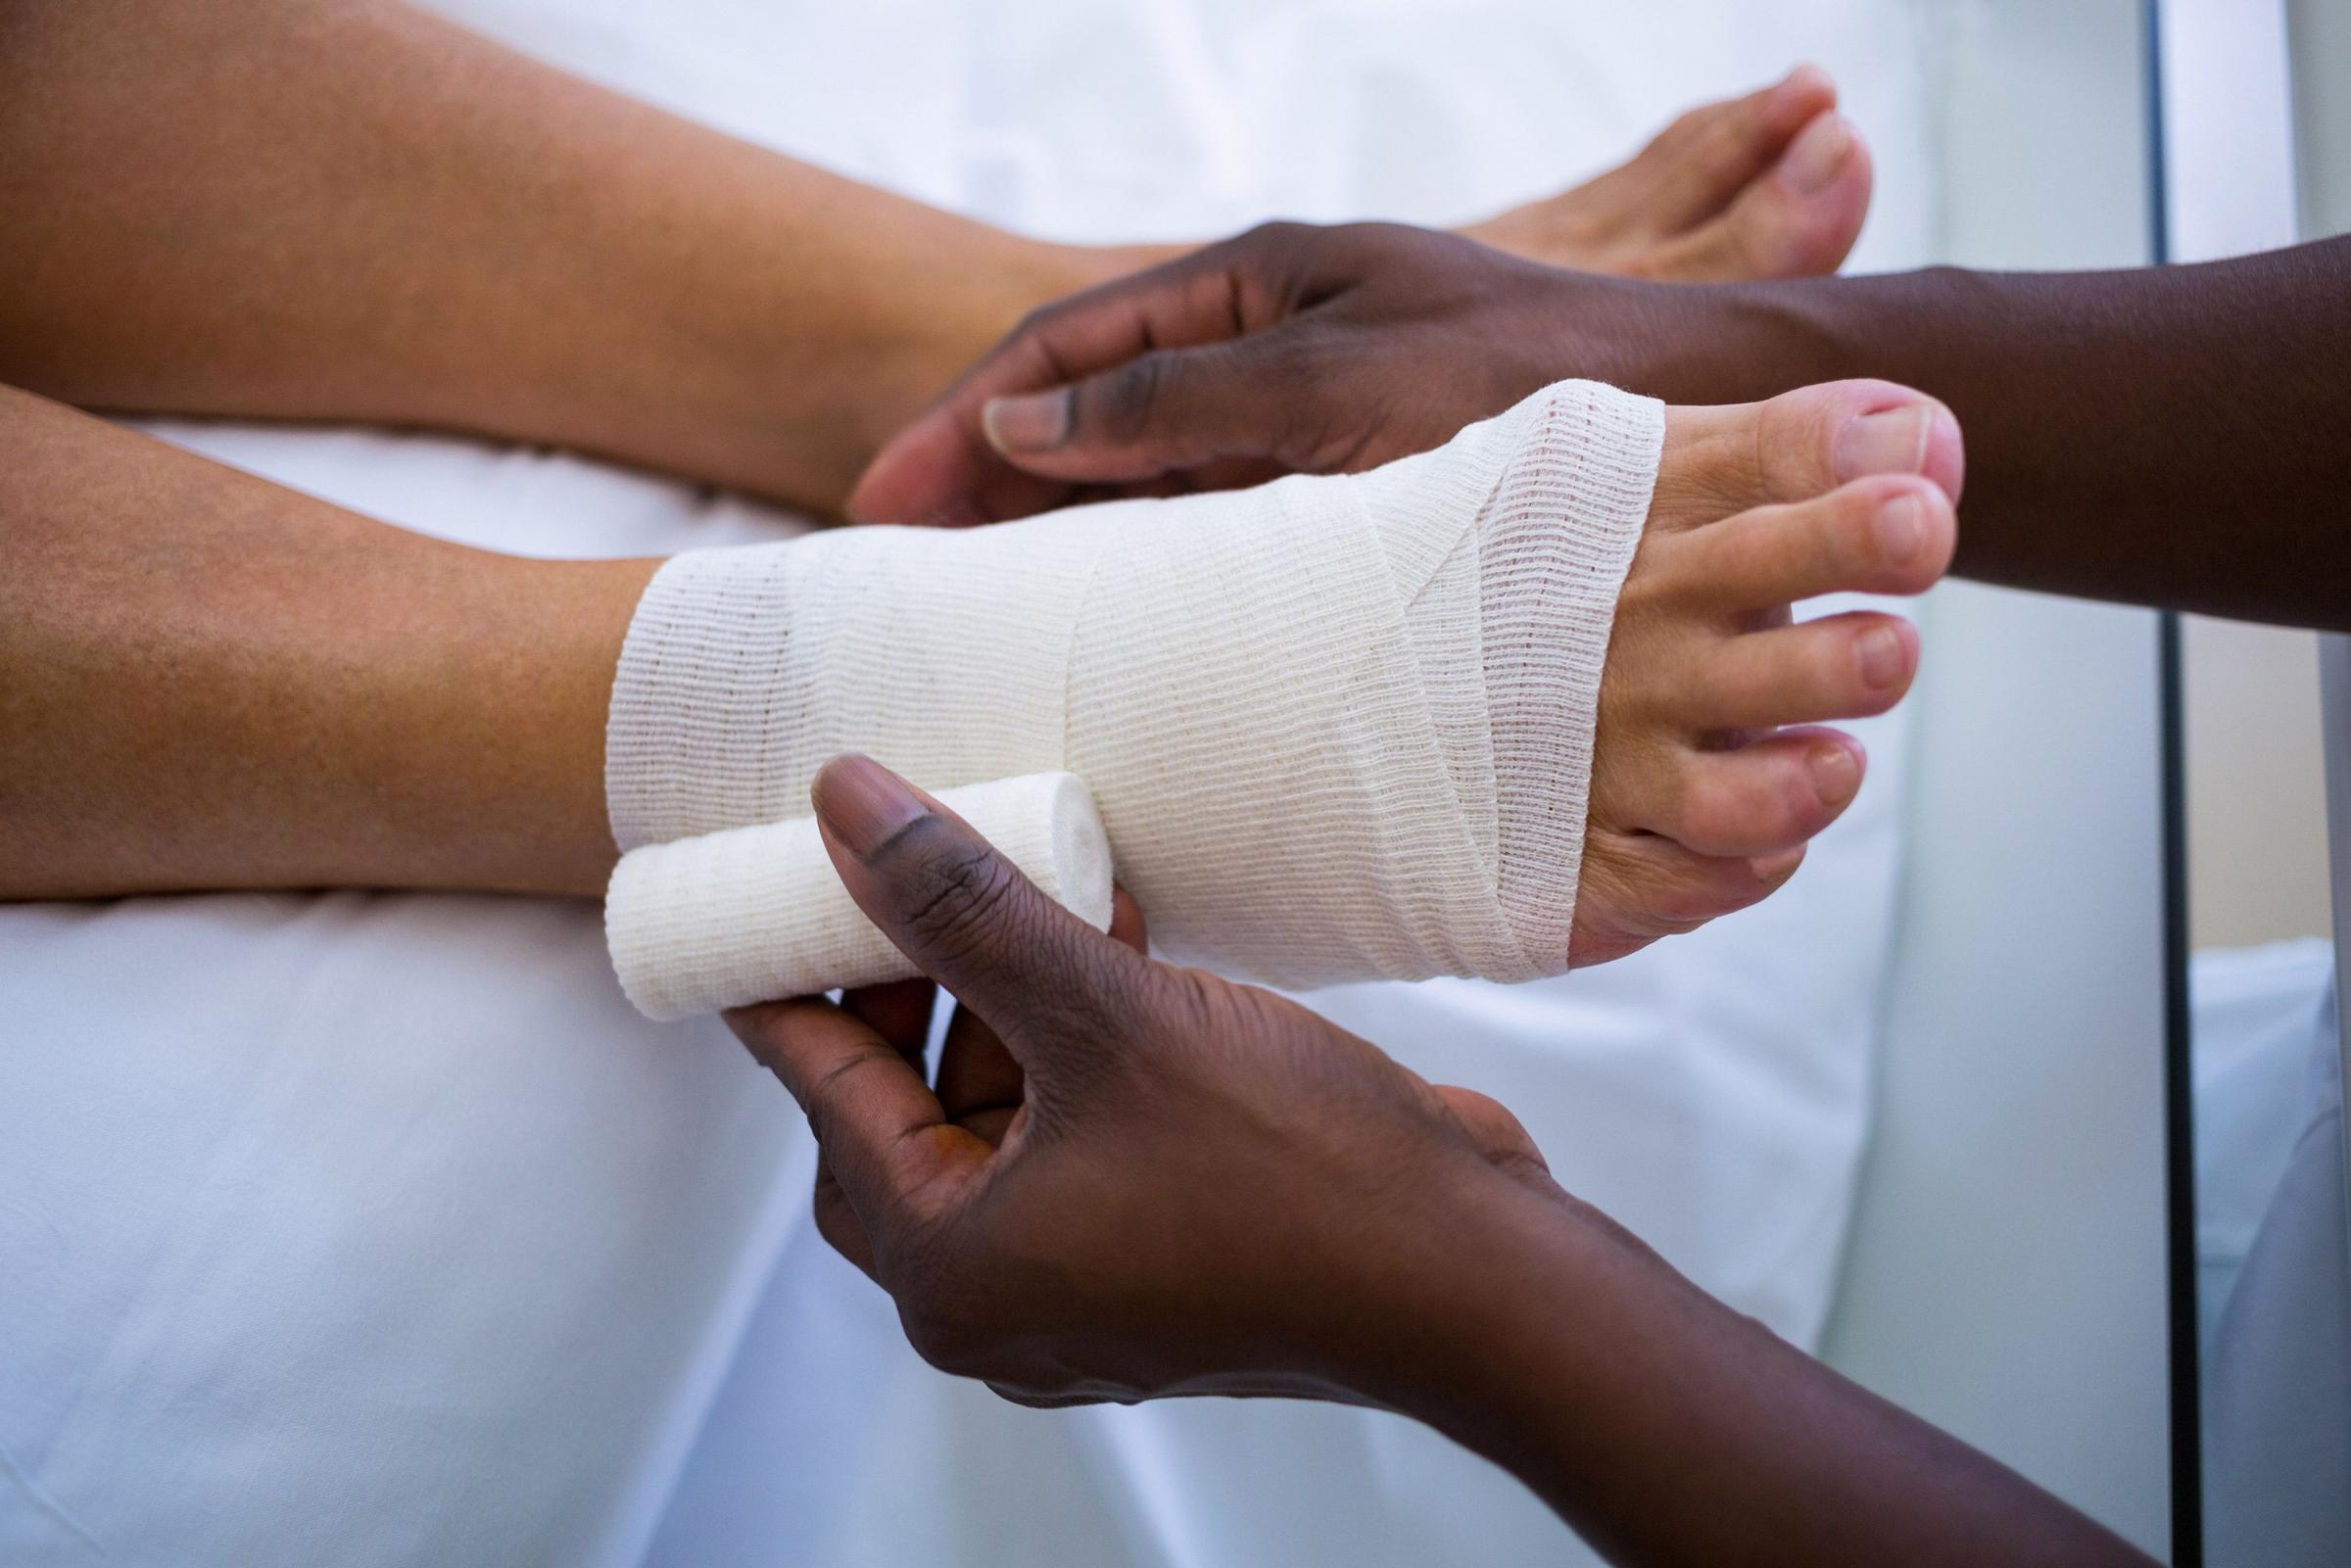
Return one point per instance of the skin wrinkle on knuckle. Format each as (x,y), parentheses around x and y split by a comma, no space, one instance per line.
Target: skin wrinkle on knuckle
(1093,1006)
(960,890)
(838,1223)
(1129,397)
(821,1103)
(1275,234)
(934,1297)
(1032,328)
(1188,1003)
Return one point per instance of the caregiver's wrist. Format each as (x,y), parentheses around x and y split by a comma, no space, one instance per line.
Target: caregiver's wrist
(1482,1275)
(1695,344)
(1514,1351)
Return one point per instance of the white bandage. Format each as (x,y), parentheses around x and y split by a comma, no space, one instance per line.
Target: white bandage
(753,914)
(1337,728)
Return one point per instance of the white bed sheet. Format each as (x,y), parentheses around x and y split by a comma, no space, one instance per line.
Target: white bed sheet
(376,1228)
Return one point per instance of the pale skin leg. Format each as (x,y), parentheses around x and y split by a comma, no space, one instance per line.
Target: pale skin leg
(209,682)
(360,212)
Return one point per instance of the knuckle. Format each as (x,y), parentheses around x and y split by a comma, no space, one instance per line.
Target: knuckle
(837,1222)
(1196,1005)
(1277,235)
(930,1274)
(824,1097)
(1130,396)
(965,887)
(1037,320)
(948,1343)
(1796,438)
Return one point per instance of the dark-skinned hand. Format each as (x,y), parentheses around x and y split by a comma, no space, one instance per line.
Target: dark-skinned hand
(1292,349)
(1131,1180)
(1049,1216)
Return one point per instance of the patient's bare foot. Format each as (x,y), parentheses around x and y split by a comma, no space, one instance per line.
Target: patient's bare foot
(1709,774)
(1774,185)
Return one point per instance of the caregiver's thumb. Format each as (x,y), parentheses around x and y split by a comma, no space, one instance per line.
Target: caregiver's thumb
(1161,412)
(967,916)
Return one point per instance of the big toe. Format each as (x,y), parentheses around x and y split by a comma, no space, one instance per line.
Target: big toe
(1721,461)
(1696,166)
(1798,220)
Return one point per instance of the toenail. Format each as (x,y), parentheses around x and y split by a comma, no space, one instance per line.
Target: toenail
(1901,529)
(1801,82)
(1835,775)
(1893,441)
(1812,160)
(1880,652)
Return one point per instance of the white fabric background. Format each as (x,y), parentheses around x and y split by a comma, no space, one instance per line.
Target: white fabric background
(377,1228)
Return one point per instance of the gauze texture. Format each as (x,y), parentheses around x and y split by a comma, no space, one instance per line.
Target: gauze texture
(753,914)
(1339,728)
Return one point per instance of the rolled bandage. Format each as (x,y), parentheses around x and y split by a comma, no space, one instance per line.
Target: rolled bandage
(755,913)
(1339,728)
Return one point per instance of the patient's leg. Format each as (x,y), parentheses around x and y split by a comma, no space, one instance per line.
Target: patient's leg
(207,680)
(362,212)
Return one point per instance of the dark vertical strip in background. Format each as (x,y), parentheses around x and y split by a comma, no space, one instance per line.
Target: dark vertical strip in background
(2178,1085)
(2180,1128)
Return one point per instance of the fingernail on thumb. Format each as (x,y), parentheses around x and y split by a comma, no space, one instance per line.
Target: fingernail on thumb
(1037,422)
(863,804)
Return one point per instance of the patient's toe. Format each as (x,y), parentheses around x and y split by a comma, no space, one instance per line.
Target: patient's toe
(1767,795)
(1798,220)
(1702,161)
(1889,534)
(1771,184)
(1708,779)
(1838,667)
(1721,461)
(1638,888)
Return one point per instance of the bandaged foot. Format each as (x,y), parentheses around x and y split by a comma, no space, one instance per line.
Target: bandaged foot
(1344,728)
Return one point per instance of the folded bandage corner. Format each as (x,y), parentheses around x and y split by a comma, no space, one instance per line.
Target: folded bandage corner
(758,913)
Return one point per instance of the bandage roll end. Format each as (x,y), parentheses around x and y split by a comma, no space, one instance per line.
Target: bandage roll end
(756,914)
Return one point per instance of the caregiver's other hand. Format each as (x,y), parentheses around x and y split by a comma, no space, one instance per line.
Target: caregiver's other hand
(1290,349)
(1131,1179)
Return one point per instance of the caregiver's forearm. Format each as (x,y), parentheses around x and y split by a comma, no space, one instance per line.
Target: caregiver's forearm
(209,682)
(358,211)
(1670,1430)
(2175,436)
